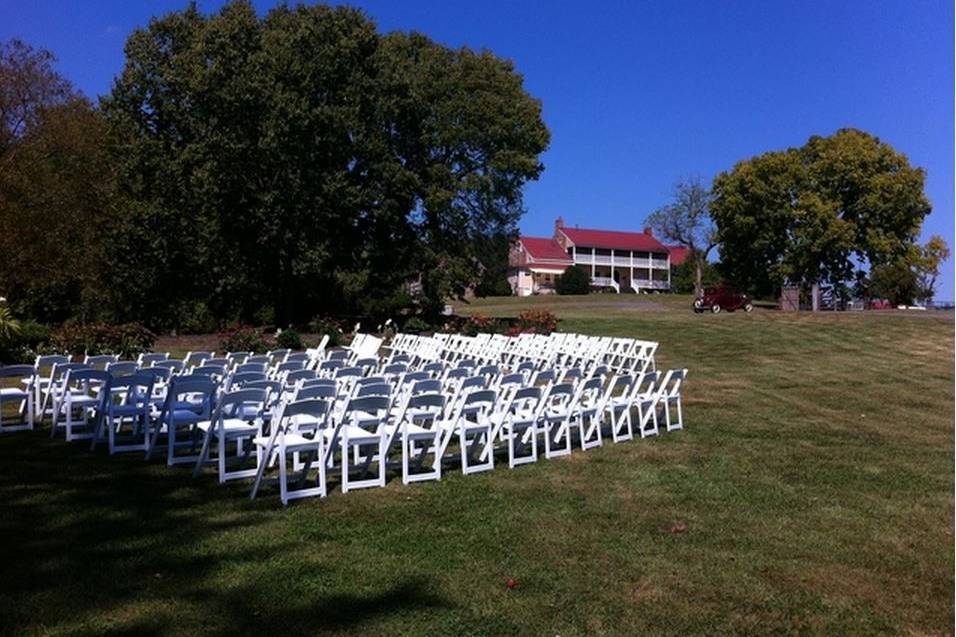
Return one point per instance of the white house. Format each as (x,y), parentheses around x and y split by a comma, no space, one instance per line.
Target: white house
(630,261)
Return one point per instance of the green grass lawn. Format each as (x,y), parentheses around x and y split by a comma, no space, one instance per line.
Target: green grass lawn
(814,477)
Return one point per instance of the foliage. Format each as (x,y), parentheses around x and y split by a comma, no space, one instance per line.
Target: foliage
(493,287)
(909,278)
(416,325)
(684,276)
(686,221)
(575,280)
(808,214)
(321,326)
(242,338)
(55,189)
(302,161)
(290,339)
(195,317)
(9,326)
(537,321)
(928,262)
(127,340)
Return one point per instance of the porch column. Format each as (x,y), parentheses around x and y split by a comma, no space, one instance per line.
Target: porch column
(593,261)
(633,287)
(612,265)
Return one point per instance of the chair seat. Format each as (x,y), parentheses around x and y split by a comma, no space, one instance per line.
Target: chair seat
(12,393)
(230,426)
(292,441)
(413,430)
(126,410)
(354,434)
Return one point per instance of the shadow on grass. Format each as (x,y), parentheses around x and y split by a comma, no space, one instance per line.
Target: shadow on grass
(93,544)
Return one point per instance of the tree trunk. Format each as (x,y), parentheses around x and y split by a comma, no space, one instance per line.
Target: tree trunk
(698,275)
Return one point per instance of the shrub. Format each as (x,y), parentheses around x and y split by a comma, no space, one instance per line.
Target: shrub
(242,338)
(195,317)
(478,324)
(537,321)
(321,325)
(575,280)
(127,340)
(289,339)
(496,287)
(416,325)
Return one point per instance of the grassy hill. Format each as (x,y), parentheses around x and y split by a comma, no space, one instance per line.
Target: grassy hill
(811,491)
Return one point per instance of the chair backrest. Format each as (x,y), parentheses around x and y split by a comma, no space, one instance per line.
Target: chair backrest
(319,382)
(435,368)
(148,358)
(176,367)
(17,371)
(159,374)
(349,372)
(427,386)
(258,358)
(424,401)
(225,363)
(316,391)
(211,371)
(313,408)
(290,366)
(87,377)
(100,361)
(240,379)
(339,355)
(474,382)
(299,375)
(414,377)
(395,369)
(197,358)
(237,358)
(48,361)
(138,388)
(296,357)
(374,389)
(273,387)
(251,367)
(374,405)
(232,404)
(62,369)
(122,368)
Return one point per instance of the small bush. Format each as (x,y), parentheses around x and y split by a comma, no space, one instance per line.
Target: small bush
(127,340)
(195,318)
(496,287)
(242,338)
(537,321)
(290,339)
(575,280)
(416,325)
(321,325)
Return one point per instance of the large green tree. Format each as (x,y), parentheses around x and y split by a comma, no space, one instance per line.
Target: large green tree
(810,214)
(304,162)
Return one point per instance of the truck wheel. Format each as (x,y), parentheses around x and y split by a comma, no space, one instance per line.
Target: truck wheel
(749,308)
(715,308)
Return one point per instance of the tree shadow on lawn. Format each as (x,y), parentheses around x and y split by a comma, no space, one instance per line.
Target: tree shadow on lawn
(113,545)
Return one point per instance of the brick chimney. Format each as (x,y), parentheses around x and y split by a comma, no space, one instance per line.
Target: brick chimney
(558,223)
(647,231)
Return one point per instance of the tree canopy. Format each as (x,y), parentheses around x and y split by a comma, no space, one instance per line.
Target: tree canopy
(55,185)
(305,163)
(814,213)
(686,221)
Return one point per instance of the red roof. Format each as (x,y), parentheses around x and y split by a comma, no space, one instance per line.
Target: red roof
(539,248)
(678,254)
(613,240)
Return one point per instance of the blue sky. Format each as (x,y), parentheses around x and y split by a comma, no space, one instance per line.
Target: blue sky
(637,94)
